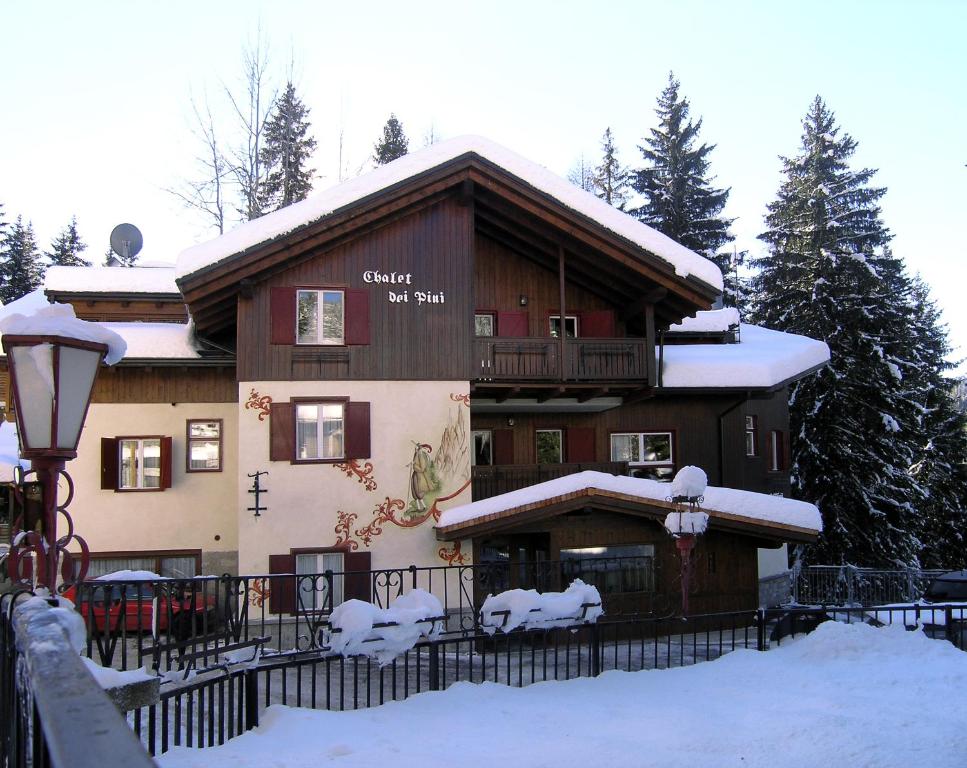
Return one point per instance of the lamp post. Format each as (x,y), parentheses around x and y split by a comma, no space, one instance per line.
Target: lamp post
(688,522)
(52,376)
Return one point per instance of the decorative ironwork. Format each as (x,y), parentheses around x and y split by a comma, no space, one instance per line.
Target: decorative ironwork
(344,535)
(257,490)
(259,591)
(453,556)
(460,398)
(260,403)
(363,473)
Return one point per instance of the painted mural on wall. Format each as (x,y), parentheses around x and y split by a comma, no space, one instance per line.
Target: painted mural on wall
(437,474)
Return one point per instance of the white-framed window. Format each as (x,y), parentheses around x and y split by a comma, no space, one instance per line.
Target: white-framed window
(204,445)
(649,454)
(483,448)
(139,463)
(484,324)
(570,326)
(550,446)
(751,436)
(314,585)
(320,316)
(320,431)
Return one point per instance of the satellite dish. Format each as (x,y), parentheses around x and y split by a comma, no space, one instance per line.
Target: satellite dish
(126,241)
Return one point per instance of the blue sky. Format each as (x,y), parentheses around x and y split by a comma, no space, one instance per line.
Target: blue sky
(96,121)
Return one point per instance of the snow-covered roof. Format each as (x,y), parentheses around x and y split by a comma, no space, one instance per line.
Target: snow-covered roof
(151,280)
(60,320)
(156,340)
(763,358)
(723,503)
(710,321)
(266,228)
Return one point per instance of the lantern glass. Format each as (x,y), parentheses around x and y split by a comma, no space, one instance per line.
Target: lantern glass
(34,371)
(75,372)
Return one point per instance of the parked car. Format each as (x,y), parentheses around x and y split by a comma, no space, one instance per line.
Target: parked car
(146,607)
(947,588)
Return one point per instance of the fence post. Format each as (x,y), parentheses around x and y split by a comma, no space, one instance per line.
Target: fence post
(251,699)
(412,570)
(760,621)
(434,670)
(595,650)
(948,620)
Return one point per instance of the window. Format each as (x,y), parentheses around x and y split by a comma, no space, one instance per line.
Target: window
(649,454)
(319,431)
(613,570)
(204,445)
(317,591)
(751,436)
(550,446)
(173,564)
(777,458)
(483,448)
(483,324)
(570,325)
(140,463)
(320,316)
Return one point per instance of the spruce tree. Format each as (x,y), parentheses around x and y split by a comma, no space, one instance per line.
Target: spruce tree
(610,179)
(582,175)
(21,270)
(393,143)
(66,248)
(286,151)
(830,275)
(679,199)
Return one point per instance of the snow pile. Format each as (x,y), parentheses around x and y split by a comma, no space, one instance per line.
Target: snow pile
(25,305)
(759,507)
(127,575)
(139,279)
(60,320)
(763,358)
(710,321)
(63,616)
(535,610)
(677,523)
(112,678)
(251,233)
(690,482)
(842,696)
(354,630)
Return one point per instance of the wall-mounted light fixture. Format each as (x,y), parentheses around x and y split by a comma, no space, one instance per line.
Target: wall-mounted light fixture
(510,422)
(523,300)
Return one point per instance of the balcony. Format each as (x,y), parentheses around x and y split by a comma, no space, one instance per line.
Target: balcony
(529,359)
(488,481)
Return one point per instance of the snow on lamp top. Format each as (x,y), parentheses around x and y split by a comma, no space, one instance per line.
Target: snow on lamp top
(60,320)
(689,482)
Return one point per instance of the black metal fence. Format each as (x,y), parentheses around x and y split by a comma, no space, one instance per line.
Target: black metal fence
(849,585)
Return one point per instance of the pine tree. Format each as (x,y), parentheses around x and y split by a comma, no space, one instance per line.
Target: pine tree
(610,179)
(830,275)
(393,144)
(679,198)
(286,151)
(582,175)
(21,270)
(66,248)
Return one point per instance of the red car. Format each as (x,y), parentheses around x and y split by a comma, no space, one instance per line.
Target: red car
(145,607)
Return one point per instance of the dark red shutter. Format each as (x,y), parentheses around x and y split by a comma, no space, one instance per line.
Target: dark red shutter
(357,316)
(512,324)
(780,451)
(503,446)
(357,431)
(282,588)
(579,445)
(165,462)
(109,463)
(358,576)
(597,324)
(282,432)
(283,315)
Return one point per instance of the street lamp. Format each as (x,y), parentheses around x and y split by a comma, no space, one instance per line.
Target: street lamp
(688,522)
(53,359)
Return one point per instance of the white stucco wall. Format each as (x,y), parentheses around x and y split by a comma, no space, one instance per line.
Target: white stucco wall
(773,561)
(304,502)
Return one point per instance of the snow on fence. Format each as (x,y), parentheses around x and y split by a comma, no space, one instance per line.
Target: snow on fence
(580,603)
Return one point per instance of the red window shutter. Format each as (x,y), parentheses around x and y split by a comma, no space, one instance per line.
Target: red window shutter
(358,584)
(282,588)
(512,324)
(109,464)
(281,432)
(579,445)
(357,316)
(357,431)
(283,315)
(165,462)
(597,324)
(503,446)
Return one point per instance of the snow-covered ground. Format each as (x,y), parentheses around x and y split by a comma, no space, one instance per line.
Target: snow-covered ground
(846,695)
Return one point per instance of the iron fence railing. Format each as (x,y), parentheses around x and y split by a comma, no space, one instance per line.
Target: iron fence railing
(850,585)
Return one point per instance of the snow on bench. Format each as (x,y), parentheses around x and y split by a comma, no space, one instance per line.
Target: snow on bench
(580,603)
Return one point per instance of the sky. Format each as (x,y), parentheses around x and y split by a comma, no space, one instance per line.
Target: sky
(97,117)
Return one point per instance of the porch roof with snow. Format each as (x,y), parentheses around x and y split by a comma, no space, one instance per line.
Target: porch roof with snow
(509,193)
(755,514)
(117,282)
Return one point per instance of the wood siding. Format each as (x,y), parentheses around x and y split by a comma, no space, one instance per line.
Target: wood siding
(121,384)
(408,341)
(112,310)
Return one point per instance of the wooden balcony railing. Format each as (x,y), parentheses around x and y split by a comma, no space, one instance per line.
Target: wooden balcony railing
(493,480)
(539,359)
